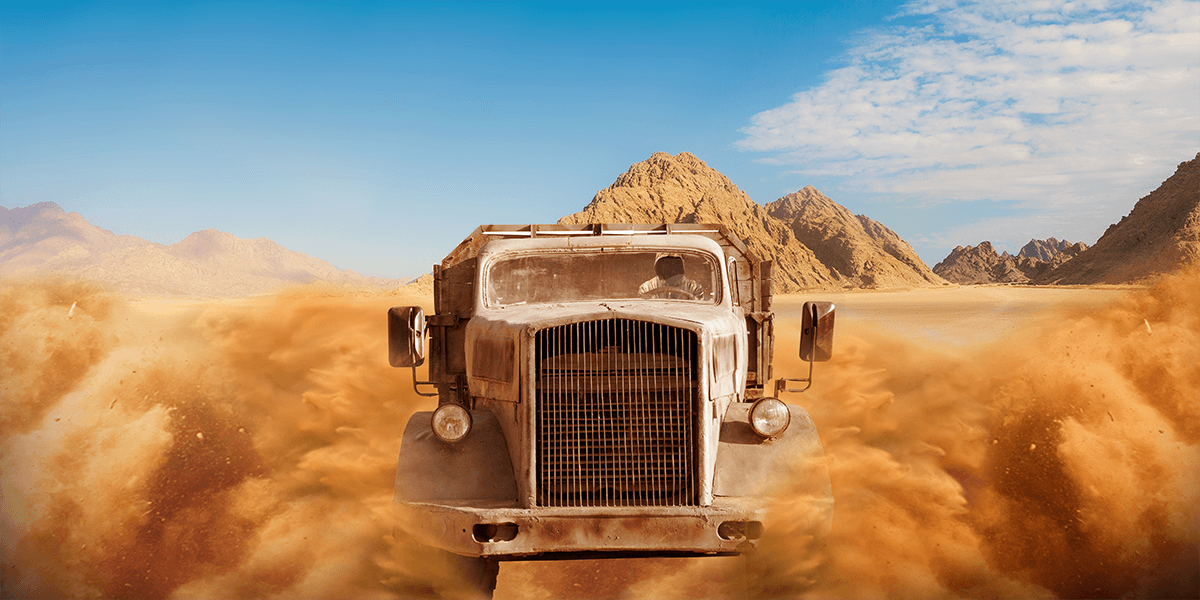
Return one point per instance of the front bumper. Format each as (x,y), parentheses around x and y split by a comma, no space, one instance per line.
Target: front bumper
(730,525)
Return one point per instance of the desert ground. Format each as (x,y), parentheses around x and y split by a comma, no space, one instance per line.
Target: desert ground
(958,315)
(990,441)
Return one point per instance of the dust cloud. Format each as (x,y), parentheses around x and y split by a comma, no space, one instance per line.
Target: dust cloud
(1062,459)
(214,449)
(196,449)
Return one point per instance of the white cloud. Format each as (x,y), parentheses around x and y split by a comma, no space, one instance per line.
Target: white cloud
(1063,107)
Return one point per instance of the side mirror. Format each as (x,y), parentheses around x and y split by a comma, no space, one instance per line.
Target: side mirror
(406,336)
(816,331)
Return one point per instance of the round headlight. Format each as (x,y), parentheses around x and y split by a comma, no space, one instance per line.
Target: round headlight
(451,422)
(769,417)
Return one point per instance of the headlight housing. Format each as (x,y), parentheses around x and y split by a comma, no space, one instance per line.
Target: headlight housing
(769,417)
(451,422)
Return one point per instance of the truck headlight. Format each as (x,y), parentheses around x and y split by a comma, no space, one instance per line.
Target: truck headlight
(451,422)
(769,417)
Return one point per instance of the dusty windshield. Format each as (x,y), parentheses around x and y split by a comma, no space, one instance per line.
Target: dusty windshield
(608,275)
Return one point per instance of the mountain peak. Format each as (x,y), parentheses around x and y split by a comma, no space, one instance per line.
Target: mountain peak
(1161,234)
(859,251)
(15,218)
(1045,249)
(684,189)
(43,207)
(981,264)
(206,263)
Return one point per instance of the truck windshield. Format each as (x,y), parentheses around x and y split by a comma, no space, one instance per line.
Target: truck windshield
(609,275)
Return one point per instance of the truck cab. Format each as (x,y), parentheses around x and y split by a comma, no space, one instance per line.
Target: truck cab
(603,391)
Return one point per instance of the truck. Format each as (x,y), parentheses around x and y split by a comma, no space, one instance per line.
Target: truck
(603,390)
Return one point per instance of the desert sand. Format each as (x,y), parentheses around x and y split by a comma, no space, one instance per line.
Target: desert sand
(959,315)
(990,441)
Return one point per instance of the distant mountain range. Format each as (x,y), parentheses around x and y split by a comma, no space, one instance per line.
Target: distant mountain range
(1160,235)
(981,264)
(816,243)
(43,239)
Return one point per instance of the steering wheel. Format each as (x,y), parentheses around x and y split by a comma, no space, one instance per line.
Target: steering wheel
(667,289)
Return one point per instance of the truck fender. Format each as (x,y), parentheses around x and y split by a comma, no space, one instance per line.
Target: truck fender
(748,465)
(474,468)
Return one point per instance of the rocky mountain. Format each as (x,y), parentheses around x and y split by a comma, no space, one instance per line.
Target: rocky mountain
(1051,249)
(683,189)
(857,252)
(969,265)
(982,264)
(43,239)
(1161,234)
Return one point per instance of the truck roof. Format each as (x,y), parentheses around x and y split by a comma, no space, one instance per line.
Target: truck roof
(470,247)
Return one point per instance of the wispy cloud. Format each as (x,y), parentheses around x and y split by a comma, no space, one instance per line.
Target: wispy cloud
(1066,107)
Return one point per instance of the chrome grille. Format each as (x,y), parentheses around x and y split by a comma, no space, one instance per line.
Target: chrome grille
(615,414)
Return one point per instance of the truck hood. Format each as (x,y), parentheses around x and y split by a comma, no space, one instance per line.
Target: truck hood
(713,319)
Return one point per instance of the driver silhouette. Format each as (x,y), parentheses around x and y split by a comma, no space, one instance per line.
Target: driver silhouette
(670,282)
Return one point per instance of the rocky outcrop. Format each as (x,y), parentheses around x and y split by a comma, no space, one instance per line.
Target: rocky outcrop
(683,189)
(1051,250)
(1160,235)
(858,251)
(43,239)
(982,264)
(969,265)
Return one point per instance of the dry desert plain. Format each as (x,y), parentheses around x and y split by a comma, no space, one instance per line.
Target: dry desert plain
(990,441)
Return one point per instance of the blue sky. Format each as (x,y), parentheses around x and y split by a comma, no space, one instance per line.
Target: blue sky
(377,135)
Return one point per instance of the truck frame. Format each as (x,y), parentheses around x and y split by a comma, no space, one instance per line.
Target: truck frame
(582,416)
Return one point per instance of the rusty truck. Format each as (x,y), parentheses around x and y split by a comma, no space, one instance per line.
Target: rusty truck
(602,390)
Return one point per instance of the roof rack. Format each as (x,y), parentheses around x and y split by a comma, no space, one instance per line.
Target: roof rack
(471,245)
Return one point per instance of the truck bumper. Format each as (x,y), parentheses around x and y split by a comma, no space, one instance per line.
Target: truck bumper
(730,525)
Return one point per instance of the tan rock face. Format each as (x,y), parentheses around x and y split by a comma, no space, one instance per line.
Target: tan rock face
(1051,249)
(981,264)
(969,264)
(857,252)
(682,189)
(1160,235)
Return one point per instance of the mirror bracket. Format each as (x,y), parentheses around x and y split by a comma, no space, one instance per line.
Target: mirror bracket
(781,383)
(417,383)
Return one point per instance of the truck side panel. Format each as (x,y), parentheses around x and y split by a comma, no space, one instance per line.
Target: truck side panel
(454,303)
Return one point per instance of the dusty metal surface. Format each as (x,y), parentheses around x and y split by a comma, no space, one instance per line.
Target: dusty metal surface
(476,468)
(648,530)
(608,420)
(792,464)
(615,414)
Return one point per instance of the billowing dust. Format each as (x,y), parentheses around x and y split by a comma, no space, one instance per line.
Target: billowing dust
(1060,460)
(247,448)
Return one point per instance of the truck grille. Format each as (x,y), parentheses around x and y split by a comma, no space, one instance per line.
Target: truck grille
(616,414)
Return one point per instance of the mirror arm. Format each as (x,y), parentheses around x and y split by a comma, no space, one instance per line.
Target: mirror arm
(417,383)
(781,384)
